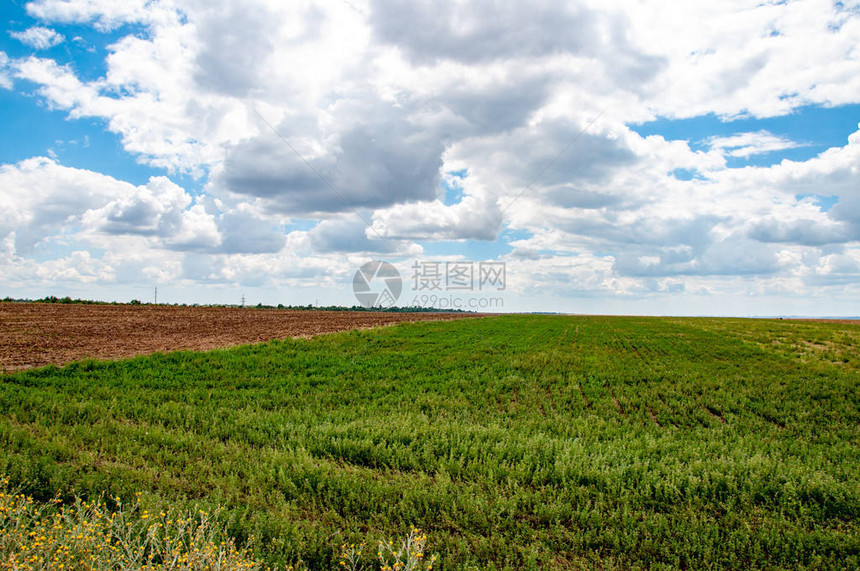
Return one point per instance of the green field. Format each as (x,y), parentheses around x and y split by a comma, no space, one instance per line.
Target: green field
(516,442)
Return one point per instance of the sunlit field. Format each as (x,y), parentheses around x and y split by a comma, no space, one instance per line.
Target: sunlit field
(513,442)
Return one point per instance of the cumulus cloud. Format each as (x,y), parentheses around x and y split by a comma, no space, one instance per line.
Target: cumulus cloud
(550,153)
(730,222)
(384,100)
(161,210)
(39,37)
(377,160)
(43,198)
(473,218)
(157,116)
(50,202)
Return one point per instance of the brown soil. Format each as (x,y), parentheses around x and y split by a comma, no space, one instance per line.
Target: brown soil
(654,416)
(716,414)
(585,398)
(38,334)
(615,400)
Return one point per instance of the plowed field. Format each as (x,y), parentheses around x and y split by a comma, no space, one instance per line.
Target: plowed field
(38,334)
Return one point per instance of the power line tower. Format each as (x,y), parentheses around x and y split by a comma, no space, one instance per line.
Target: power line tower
(243,300)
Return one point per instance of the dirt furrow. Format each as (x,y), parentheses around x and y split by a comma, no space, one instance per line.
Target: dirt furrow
(615,400)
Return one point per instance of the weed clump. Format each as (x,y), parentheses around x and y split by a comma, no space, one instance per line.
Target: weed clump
(90,536)
(409,554)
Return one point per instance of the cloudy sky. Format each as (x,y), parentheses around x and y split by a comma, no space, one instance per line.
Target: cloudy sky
(618,156)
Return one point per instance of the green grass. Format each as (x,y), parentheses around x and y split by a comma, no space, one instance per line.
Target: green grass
(520,442)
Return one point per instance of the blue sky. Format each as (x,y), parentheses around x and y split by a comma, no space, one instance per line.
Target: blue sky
(269,150)
(813,128)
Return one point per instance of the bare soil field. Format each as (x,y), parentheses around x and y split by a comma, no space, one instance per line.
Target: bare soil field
(39,334)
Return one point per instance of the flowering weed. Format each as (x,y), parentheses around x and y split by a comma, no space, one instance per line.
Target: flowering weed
(89,536)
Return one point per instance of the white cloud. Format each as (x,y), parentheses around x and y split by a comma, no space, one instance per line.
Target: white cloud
(146,98)
(748,57)
(160,210)
(745,145)
(59,85)
(52,204)
(44,199)
(104,14)
(39,37)
(153,231)
(385,99)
